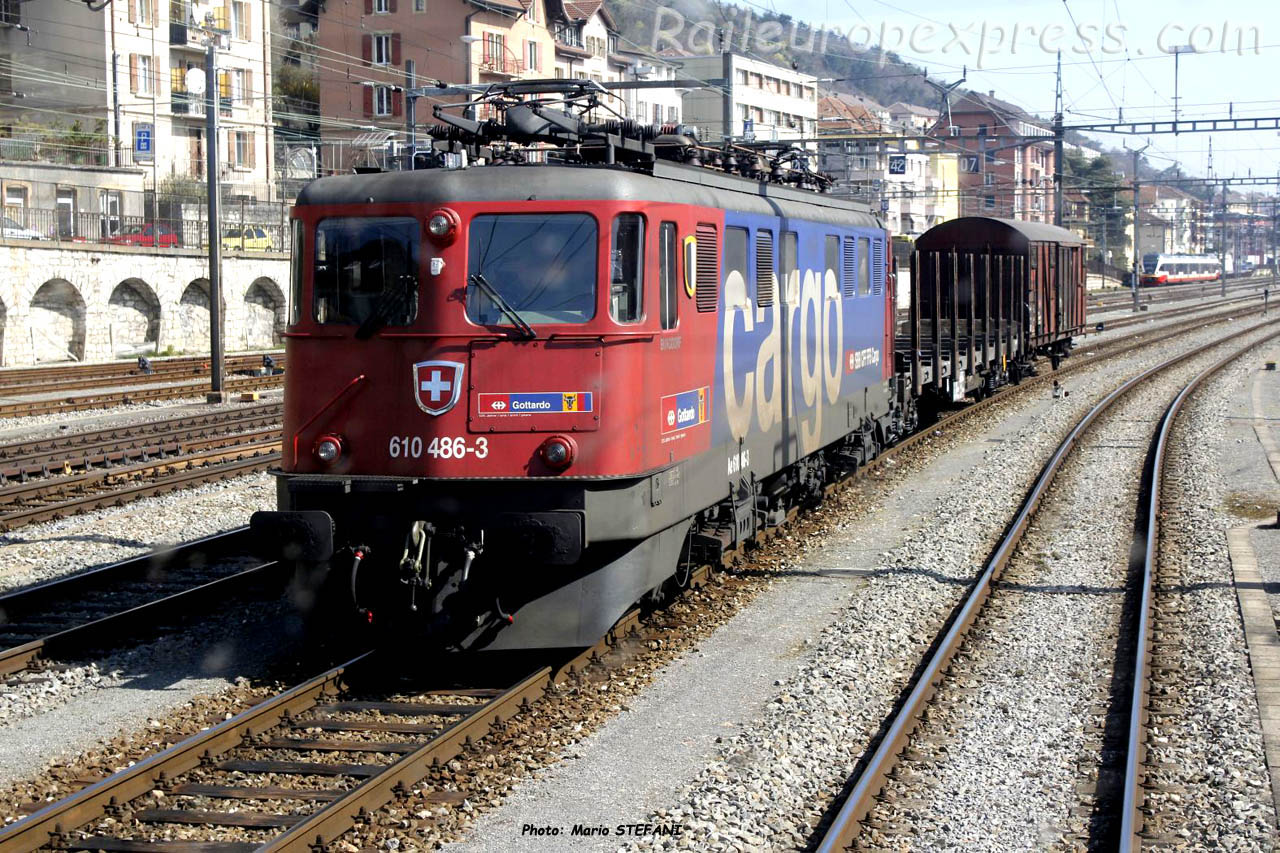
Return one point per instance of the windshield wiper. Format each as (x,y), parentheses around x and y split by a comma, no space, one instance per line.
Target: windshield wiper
(481,282)
(392,299)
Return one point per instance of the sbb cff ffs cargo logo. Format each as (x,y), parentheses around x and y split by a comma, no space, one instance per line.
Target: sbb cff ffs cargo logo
(686,409)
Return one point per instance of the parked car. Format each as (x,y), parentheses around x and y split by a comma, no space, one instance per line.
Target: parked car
(145,235)
(249,238)
(11,230)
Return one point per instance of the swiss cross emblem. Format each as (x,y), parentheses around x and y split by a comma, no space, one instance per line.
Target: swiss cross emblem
(437,385)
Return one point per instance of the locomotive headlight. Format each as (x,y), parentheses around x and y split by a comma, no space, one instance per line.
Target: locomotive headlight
(328,448)
(442,225)
(558,452)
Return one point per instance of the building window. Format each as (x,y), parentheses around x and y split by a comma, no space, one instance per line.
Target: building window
(109,205)
(239,86)
(243,149)
(533,57)
(381,7)
(11,12)
(673,115)
(657,113)
(240,19)
(419,5)
(382,101)
(143,74)
(382,49)
(144,11)
(988,180)
(495,49)
(989,202)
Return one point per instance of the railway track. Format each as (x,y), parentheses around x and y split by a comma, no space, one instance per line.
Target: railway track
(61,497)
(298,770)
(1116,817)
(71,616)
(107,399)
(83,451)
(1176,293)
(66,376)
(1140,319)
(1124,800)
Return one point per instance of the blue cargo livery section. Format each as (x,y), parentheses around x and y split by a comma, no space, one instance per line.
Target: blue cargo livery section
(797,337)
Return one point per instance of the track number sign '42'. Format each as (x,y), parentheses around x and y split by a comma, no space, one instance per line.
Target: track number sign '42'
(437,385)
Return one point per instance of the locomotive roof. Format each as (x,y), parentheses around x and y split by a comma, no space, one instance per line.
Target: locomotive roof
(976,230)
(669,183)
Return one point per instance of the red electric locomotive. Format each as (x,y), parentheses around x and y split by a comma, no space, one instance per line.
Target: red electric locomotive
(523,395)
(526,394)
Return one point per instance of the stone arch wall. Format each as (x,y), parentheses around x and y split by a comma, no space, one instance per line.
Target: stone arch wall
(134,315)
(265,318)
(193,316)
(57,322)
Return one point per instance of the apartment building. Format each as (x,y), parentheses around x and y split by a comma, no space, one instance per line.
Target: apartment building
(1007,158)
(99,107)
(760,100)
(660,105)
(912,183)
(373,49)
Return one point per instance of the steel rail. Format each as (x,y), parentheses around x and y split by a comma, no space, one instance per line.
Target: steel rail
(263,456)
(55,823)
(77,444)
(1176,292)
(861,798)
(23,375)
(1131,818)
(27,408)
(1135,320)
(108,630)
(19,601)
(139,449)
(161,373)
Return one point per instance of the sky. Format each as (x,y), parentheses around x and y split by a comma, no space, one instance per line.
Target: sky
(1122,60)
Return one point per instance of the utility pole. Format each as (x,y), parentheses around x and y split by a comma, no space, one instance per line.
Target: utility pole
(1222,240)
(1058,138)
(411,109)
(212,99)
(1137,233)
(726,69)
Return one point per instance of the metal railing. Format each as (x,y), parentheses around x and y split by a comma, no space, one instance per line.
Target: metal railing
(189,231)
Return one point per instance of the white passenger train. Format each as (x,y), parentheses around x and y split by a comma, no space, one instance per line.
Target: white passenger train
(1178,269)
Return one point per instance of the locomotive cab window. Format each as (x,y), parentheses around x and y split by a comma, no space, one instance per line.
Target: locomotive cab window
(668,275)
(626,268)
(540,267)
(295,272)
(366,272)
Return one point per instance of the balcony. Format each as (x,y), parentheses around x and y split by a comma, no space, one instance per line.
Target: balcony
(177,34)
(184,103)
(501,65)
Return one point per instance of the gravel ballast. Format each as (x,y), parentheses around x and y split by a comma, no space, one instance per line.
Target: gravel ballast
(772,776)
